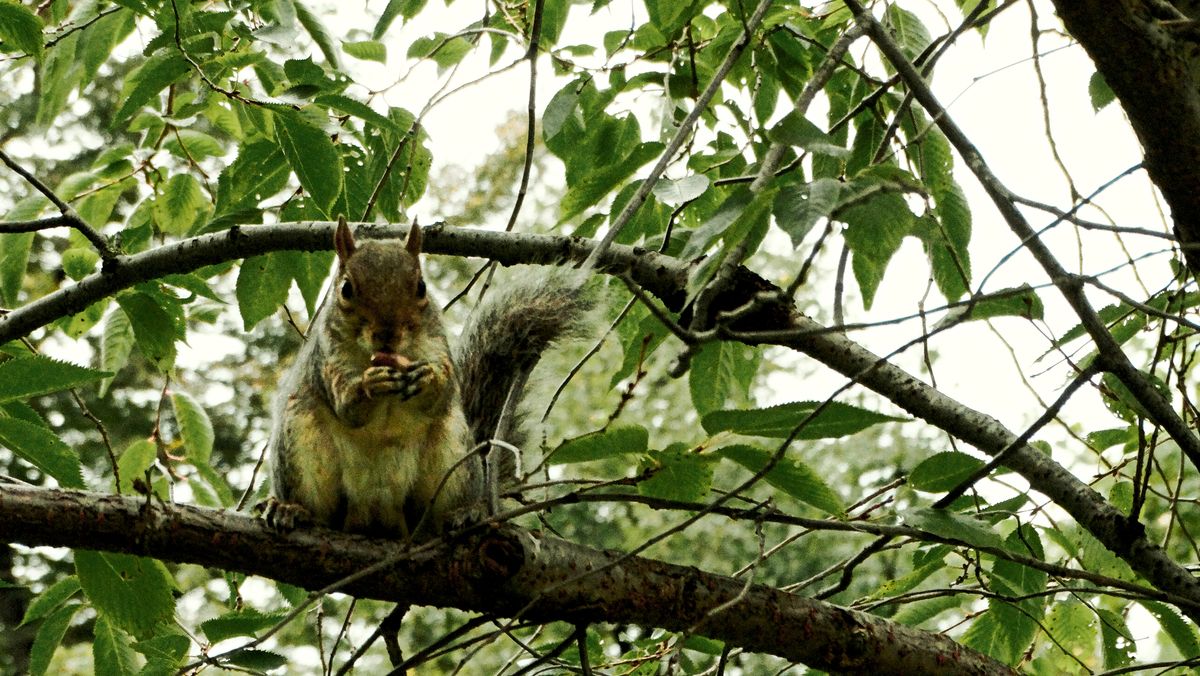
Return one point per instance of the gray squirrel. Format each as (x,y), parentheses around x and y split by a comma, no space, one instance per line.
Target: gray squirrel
(376,421)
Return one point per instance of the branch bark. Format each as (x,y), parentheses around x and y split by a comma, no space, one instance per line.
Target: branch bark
(1149,65)
(665,276)
(502,570)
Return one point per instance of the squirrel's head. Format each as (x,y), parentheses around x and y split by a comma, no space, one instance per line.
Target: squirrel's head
(379,289)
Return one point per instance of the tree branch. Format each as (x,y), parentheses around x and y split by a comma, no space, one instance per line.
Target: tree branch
(502,570)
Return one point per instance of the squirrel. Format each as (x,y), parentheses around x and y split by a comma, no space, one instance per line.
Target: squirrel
(376,424)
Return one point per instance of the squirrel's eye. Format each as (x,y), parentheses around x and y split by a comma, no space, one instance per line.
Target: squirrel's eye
(347,290)
(420,288)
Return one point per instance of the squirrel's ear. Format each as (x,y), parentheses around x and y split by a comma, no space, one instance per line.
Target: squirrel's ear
(343,240)
(414,239)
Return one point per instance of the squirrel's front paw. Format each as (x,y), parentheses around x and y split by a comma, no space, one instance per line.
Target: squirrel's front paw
(283,516)
(405,381)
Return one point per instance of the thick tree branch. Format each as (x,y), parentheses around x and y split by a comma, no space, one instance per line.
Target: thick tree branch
(666,278)
(504,570)
(1151,70)
(659,274)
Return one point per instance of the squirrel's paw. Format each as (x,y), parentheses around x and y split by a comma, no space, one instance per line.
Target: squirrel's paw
(283,516)
(405,382)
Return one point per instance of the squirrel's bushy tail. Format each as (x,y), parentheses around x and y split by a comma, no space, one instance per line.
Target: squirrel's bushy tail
(504,339)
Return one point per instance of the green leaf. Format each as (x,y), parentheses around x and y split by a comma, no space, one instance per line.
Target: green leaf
(1099,91)
(588,191)
(1119,646)
(793,477)
(679,192)
(560,108)
(405,8)
(313,157)
(53,597)
(257,660)
(367,50)
(193,145)
(612,442)
(20,28)
(14,257)
(239,623)
(1002,631)
(678,474)
(49,636)
(111,652)
(135,593)
(42,448)
(719,371)
(875,229)
(37,375)
(835,420)
(164,653)
(176,207)
(349,106)
(79,262)
(320,35)
(153,328)
(444,50)
(798,208)
(1177,629)
(134,461)
(943,471)
(907,30)
(116,344)
(916,613)
(259,171)
(159,71)
(1070,622)
(796,130)
(1021,301)
(947,524)
(194,426)
(262,287)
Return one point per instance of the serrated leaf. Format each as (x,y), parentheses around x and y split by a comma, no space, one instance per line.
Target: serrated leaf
(143,84)
(798,208)
(320,35)
(1021,301)
(193,145)
(111,652)
(54,596)
(81,322)
(907,30)
(262,287)
(1002,631)
(116,344)
(589,190)
(1070,622)
(194,426)
(239,623)
(918,612)
(1118,644)
(1177,629)
(943,471)
(153,328)
(20,28)
(793,477)
(875,229)
(366,50)
(164,653)
(37,375)
(678,474)
(675,193)
(313,157)
(796,130)
(835,420)
(560,108)
(349,106)
(257,660)
(719,371)
(612,442)
(79,262)
(49,636)
(134,461)
(405,8)
(131,591)
(176,207)
(965,529)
